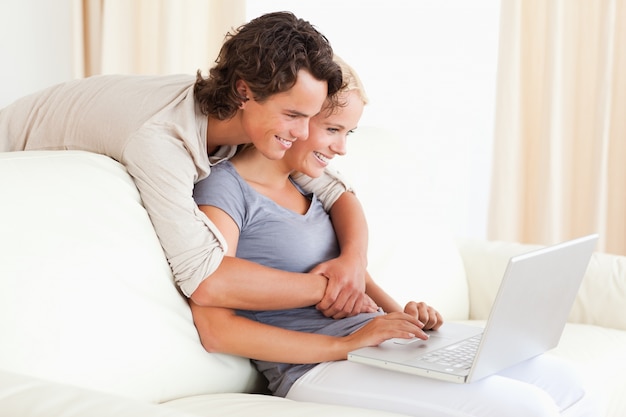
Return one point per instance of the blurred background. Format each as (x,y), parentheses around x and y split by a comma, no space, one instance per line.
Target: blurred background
(511,112)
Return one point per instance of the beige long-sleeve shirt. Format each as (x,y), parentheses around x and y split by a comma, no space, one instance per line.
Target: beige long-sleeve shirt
(151,125)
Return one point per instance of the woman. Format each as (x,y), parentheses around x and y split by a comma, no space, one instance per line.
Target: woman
(267,218)
(168,131)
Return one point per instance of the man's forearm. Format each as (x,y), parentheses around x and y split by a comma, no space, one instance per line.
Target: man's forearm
(241,284)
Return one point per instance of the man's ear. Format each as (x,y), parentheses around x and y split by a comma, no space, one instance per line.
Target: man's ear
(243,90)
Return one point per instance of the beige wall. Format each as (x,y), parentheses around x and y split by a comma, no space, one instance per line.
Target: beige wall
(35,45)
(429,68)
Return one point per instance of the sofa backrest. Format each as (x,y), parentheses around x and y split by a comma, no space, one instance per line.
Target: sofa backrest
(87,295)
(412,248)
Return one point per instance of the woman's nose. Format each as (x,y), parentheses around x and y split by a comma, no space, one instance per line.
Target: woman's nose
(339,146)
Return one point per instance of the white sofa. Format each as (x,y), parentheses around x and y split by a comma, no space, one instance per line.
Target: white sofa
(92,325)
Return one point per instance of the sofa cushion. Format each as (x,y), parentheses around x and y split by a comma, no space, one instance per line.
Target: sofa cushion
(597,353)
(601,292)
(87,295)
(241,405)
(23,396)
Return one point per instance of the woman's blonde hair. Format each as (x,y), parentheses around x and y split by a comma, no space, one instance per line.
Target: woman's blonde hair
(351,80)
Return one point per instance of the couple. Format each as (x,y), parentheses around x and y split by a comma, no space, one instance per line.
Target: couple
(271,79)
(267,218)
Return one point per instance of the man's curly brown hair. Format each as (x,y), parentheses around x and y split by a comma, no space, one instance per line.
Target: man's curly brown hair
(267,54)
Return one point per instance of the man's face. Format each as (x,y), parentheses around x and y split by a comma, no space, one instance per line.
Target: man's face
(274,124)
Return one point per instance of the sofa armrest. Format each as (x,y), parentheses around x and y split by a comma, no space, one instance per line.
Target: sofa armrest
(600,300)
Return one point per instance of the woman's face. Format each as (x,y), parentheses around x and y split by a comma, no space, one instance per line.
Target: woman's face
(275,124)
(327,137)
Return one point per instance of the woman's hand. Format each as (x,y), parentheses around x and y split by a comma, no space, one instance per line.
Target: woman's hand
(385,327)
(430,317)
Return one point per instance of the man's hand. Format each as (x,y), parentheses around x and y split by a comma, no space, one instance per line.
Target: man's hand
(345,293)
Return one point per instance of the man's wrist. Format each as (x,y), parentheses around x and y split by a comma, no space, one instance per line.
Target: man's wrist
(318,284)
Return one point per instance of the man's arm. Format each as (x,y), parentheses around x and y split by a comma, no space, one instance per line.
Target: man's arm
(241,284)
(237,283)
(195,247)
(345,293)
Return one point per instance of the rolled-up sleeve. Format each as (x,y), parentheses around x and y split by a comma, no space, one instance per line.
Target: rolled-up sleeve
(164,174)
(328,187)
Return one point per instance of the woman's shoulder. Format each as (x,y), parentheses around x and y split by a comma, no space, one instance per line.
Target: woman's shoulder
(222,181)
(223,172)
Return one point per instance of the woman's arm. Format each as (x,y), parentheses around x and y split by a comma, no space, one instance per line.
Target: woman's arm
(222,331)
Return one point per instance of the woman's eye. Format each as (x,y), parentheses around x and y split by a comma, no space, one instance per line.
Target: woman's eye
(333,130)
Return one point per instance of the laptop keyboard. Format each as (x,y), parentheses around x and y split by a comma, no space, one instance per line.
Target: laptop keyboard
(459,356)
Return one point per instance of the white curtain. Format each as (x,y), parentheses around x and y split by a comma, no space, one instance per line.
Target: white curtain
(560,134)
(151,36)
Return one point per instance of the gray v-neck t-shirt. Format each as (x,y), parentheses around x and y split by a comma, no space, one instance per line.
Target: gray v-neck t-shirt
(279,238)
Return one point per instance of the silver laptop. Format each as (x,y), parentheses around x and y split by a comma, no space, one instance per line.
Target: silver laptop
(527,318)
